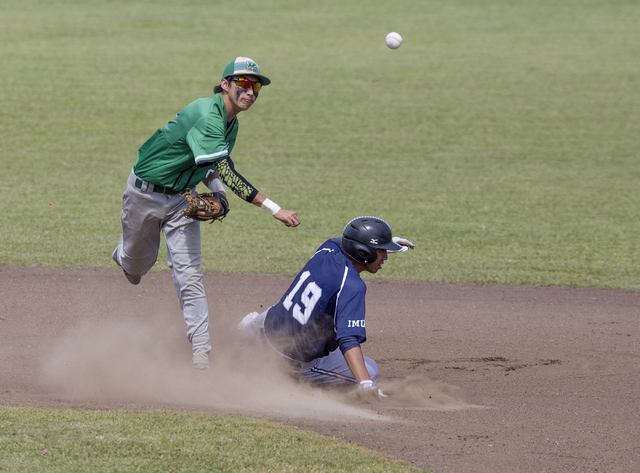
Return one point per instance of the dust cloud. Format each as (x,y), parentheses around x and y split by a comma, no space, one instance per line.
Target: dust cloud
(136,363)
(414,392)
(139,363)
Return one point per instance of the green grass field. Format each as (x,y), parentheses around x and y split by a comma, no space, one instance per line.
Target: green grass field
(502,137)
(70,441)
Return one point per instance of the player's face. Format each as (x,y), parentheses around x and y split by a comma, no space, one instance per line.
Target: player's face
(377,264)
(242,98)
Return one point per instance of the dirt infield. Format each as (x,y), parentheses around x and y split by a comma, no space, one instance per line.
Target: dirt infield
(479,378)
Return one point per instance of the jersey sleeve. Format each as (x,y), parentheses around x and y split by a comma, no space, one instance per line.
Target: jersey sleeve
(208,142)
(350,312)
(347,343)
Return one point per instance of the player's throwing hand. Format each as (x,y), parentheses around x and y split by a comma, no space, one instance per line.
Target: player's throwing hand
(288,217)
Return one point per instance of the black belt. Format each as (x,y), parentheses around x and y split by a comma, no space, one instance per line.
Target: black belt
(158,189)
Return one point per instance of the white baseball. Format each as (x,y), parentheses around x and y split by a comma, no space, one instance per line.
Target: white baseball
(393,40)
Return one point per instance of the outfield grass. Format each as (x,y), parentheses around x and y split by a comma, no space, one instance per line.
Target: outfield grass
(49,440)
(502,137)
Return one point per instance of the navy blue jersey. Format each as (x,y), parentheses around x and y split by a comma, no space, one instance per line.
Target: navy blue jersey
(322,310)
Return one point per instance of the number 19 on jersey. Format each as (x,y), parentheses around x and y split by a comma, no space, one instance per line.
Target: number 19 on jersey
(309,297)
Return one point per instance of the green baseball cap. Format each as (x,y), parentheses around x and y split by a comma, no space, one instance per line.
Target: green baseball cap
(242,66)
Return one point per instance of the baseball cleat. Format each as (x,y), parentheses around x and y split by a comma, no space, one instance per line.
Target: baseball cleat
(250,325)
(132,279)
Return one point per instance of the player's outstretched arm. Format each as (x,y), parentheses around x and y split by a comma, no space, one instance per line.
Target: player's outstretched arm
(288,217)
(355,360)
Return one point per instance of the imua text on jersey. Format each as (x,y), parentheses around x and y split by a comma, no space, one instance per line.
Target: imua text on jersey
(356,323)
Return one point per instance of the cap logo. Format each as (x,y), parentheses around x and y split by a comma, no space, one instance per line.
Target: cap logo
(245,64)
(253,67)
(374,241)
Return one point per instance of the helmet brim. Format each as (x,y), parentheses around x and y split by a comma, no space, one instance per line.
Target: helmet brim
(392,247)
(402,248)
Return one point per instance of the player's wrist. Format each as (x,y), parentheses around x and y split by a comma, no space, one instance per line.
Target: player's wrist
(215,185)
(366,384)
(270,206)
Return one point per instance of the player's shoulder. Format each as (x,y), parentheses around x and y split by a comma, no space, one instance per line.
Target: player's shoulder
(195,111)
(333,261)
(330,250)
(207,106)
(206,113)
(354,281)
(203,104)
(332,245)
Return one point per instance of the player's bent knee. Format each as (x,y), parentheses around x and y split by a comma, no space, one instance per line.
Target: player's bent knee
(136,267)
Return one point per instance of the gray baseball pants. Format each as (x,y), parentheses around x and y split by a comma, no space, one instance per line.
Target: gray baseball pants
(144,215)
(334,369)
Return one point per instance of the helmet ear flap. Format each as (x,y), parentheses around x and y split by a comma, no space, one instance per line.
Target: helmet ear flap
(358,251)
(369,255)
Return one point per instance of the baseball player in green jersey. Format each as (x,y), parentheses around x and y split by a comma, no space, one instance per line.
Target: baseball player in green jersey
(194,147)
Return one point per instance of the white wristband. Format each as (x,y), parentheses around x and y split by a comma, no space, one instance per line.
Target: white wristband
(271,206)
(366,384)
(215,185)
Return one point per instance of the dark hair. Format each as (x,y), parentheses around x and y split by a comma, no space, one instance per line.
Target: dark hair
(217,89)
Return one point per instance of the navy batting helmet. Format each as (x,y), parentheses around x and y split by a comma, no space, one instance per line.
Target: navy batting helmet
(364,235)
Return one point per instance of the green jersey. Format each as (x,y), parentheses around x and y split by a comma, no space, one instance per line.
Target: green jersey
(183,152)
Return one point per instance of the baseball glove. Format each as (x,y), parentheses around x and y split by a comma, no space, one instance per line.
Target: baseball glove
(212,206)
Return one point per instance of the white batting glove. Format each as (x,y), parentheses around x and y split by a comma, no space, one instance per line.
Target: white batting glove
(406,244)
(366,385)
